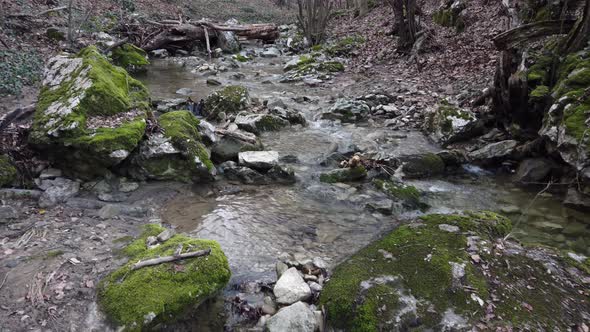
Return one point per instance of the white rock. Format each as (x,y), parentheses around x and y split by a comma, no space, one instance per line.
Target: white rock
(291,288)
(259,160)
(294,318)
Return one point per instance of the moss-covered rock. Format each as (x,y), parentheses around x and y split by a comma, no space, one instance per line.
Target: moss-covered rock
(229,100)
(449,124)
(425,276)
(344,175)
(344,46)
(8,172)
(175,154)
(258,123)
(422,165)
(130,57)
(409,196)
(144,297)
(90,114)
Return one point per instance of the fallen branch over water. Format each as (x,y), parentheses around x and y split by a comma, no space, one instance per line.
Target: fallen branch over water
(166,259)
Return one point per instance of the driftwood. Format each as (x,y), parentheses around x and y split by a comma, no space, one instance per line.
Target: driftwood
(178,33)
(166,259)
(532,31)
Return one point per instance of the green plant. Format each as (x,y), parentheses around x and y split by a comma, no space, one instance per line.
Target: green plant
(17,69)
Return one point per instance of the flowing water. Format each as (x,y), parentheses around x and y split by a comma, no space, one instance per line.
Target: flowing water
(255,225)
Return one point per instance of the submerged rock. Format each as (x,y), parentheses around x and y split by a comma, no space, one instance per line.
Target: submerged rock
(142,298)
(231,143)
(422,165)
(423,276)
(258,123)
(175,154)
(344,175)
(533,170)
(297,317)
(409,197)
(90,114)
(347,110)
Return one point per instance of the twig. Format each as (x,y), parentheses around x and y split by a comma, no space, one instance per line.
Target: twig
(166,259)
(207,40)
(4,280)
(529,206)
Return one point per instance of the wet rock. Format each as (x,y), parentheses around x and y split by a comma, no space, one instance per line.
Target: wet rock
(271,52)
(238,76)
(453,157)
(109,211)
(228,42)
(494,151)
(58,191)
(577,200)
(281,174)
(548,226)
(533,170)
(289,159)
(160,53)
(112,197)
(422,165)
(450,124)
(259,160)
(167,105)
(229,100)
(50,173)
(294,117)
(405,196)
(184,91)
(347,111)
(384,206)
(258,123)
(7,213)
(269,307)
(242,174)
(291,288)
(231,143)
(297,317)
(207,131)
(344,175)
(127,187)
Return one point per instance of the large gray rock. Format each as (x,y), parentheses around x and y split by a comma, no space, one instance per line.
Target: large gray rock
(291,288)
(57,191)
(533,170)
(293,116)
(347,111)
(231,143)
(450,124)
(228,42)
(297,317)
(257,123)
(494,151)
(259,160)
(207,131)
(422,165)
(577,200)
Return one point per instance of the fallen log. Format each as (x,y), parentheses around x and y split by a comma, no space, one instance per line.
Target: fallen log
(530,32)
(166,259)
(178,33)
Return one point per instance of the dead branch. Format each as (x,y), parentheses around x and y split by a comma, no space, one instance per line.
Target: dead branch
(531,31)
(166,259)
(117,44)
(51,10)
(4,280)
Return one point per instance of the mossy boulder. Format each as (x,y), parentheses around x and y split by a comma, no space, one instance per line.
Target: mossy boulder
(344,175)
(422,165)
(8,172)
(449,124)
(90,114)
(566,123)
(229,100)
(409,196)
(443,272)
(344,46)
(177,153)
(299,62)
(258,123)
(139,299)
(130,57)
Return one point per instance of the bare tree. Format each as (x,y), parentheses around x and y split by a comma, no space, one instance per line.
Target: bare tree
(363,7)
(313,18)
(404,23)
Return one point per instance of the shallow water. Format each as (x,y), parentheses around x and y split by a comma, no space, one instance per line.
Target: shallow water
(256,225)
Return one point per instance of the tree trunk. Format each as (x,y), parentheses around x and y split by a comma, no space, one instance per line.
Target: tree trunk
(363,7)
(404,23)
(581,35)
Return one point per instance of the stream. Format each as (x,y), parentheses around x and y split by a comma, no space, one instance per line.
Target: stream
(259,223)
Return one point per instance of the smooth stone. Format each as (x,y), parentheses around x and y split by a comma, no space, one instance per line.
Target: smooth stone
(259,160)
(297,317)
(291,288)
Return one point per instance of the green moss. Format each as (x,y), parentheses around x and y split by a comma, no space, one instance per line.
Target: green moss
(182,129)
(409,195)
(271,123)
(420,267)
(541,92)
(8,172)
(423,165)
(344,175)
(316,48)
(241,58)
(330,66)
(105,140)
(344,46)
(231,100)
(167,289)
(54,253)
(129,57)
